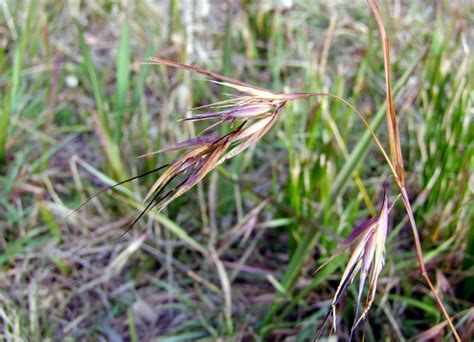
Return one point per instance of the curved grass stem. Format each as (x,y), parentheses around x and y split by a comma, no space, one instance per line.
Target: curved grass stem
(419,253)
(364,121)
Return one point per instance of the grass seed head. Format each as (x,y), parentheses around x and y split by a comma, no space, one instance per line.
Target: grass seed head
(257,111)
(367,259)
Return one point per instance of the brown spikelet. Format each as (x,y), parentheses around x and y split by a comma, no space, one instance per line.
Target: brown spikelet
(367,258)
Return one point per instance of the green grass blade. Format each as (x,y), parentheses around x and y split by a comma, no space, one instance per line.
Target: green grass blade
(106,179)
(123,71)
(111,149)
(174,228)
(11,99)
(96,87)
(189,336)
(430,309)
(132,326)
(469,260)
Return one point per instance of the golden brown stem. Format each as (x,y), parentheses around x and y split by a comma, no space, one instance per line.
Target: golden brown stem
(419,253)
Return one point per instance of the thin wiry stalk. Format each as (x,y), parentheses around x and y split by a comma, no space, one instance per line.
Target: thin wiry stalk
(424,273)
(97,193)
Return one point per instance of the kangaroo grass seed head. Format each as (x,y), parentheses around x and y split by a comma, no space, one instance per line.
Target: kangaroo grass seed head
(257,111)
(367,259)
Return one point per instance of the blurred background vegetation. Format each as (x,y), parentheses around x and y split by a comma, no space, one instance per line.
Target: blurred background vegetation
(78,108)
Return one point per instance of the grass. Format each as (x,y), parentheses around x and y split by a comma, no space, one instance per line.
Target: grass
(235,257)
(10,98)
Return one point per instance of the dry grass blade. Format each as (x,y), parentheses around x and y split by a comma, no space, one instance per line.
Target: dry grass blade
(392,124)
(116,265)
